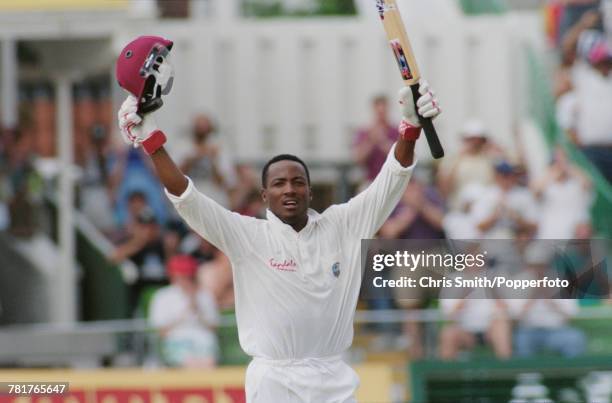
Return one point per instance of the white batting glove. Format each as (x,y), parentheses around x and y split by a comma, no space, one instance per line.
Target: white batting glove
(137,130)
(427,104)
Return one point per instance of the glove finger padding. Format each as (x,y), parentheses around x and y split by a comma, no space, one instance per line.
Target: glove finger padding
(423,87)
(427,104)
(129,120)
(429,110)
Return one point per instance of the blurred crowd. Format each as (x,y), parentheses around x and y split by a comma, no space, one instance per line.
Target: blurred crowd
(483,191)
(486,192)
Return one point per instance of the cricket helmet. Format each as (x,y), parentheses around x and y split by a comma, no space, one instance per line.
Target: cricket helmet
(144,70)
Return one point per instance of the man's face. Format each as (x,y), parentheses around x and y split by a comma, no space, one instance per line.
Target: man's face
(287,191)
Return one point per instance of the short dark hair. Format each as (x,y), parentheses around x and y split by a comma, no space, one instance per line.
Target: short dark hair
(282,157)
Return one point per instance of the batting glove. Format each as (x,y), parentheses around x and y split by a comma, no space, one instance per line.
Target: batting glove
(428,107)
(139,130)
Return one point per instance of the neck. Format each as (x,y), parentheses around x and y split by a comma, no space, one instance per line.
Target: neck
(298,223)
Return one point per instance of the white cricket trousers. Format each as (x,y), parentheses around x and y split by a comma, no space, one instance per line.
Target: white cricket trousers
(309,380)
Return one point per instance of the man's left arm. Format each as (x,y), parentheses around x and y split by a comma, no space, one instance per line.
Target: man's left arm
(364,214)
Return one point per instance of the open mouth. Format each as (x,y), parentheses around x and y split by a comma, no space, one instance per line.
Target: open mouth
(290,203)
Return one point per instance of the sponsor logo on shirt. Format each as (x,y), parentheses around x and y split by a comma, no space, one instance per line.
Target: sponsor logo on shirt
(283,265)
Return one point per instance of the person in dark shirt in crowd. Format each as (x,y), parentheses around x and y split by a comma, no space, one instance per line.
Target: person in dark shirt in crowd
(373,142)
(142,245)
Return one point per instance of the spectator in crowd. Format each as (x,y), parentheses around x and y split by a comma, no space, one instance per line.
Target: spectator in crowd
(473,163)
(215,276)
(172,237)
(247,197)
(95,191)
(475,322)
(583,109)
(460,223)
(573,11)
(419,213)
(506,210)
(208,164)
(25,183)
(143,245)
(186,317)
(372,143)
(565,197)
(543,324)
(247,181)
(593,124)
(214,273)
(563,76)
(133,173)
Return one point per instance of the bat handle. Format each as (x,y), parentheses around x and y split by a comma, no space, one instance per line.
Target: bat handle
(430,131)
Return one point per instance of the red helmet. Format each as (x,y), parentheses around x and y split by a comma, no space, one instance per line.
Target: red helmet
(135,63)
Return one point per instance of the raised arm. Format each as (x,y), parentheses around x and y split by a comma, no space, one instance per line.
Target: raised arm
(226,230)
(366,213)
(142,130)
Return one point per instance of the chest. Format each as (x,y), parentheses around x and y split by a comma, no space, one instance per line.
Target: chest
(313,261)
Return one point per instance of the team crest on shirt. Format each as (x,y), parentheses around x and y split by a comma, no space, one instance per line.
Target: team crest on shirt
(336,269)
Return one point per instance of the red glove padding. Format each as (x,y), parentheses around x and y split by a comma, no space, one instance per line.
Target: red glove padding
(154,142)
(409,132)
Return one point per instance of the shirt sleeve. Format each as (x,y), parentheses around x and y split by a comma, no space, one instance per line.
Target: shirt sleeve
(226,230)
(365,213)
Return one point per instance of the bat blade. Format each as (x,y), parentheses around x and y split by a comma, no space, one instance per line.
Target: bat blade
(409,70)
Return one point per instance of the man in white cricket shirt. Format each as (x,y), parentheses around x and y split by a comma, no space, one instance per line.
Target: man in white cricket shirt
(297,273)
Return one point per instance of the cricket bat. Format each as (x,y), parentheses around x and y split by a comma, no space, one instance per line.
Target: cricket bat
(400,44)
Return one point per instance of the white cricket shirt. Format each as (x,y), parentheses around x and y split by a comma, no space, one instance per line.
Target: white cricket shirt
(296,293)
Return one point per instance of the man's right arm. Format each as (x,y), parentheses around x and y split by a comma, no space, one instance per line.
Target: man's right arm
(228,231)
(169,173)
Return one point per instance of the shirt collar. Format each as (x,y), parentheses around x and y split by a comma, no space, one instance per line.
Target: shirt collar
(313,217)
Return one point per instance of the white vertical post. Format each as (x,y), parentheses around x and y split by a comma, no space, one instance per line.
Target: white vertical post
(9,83)
(65,296)
(227,9)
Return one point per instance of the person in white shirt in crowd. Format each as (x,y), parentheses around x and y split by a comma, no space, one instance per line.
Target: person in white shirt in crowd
(584,113)
(297,273)
(543,324)
(460,223)
(506,210)
(473,163)
(208,164)
(565,198)
(186,317)
(475,322)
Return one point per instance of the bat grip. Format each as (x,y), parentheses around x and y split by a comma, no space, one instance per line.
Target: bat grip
(430,131)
